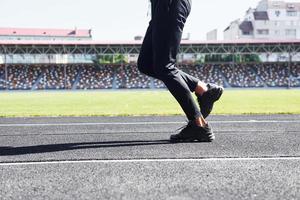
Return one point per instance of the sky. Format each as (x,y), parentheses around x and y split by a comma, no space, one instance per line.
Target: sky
(117,19)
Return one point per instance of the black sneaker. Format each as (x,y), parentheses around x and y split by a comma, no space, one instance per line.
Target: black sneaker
(207,100)
(191,132)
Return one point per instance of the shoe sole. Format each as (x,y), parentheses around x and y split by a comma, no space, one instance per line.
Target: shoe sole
(190,140)
(220,93)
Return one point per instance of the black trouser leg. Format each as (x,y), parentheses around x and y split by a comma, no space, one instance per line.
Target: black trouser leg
(161,43)
(145,61)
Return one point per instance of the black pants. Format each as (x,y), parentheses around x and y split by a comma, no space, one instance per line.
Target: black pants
(159,50)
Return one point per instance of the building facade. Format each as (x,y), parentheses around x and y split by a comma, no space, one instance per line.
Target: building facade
(45,34)
(212,35)
(269,20)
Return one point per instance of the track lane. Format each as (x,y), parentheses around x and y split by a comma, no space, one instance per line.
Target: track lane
(106,161)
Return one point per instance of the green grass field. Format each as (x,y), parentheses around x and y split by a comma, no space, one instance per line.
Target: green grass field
(135,103)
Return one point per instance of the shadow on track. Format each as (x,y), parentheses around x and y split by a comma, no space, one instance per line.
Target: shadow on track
(10,151)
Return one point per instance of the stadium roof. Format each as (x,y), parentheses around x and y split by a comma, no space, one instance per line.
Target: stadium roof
(132,42)
(133,47)
(45,32)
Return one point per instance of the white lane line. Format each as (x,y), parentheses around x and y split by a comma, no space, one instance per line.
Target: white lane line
(142,123)
(150,160)
(92,124)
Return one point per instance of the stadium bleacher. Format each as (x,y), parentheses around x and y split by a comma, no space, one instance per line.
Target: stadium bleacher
(22,77)
(2,78)
(90,76)
(243,75)
(93,77)
(130,78)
